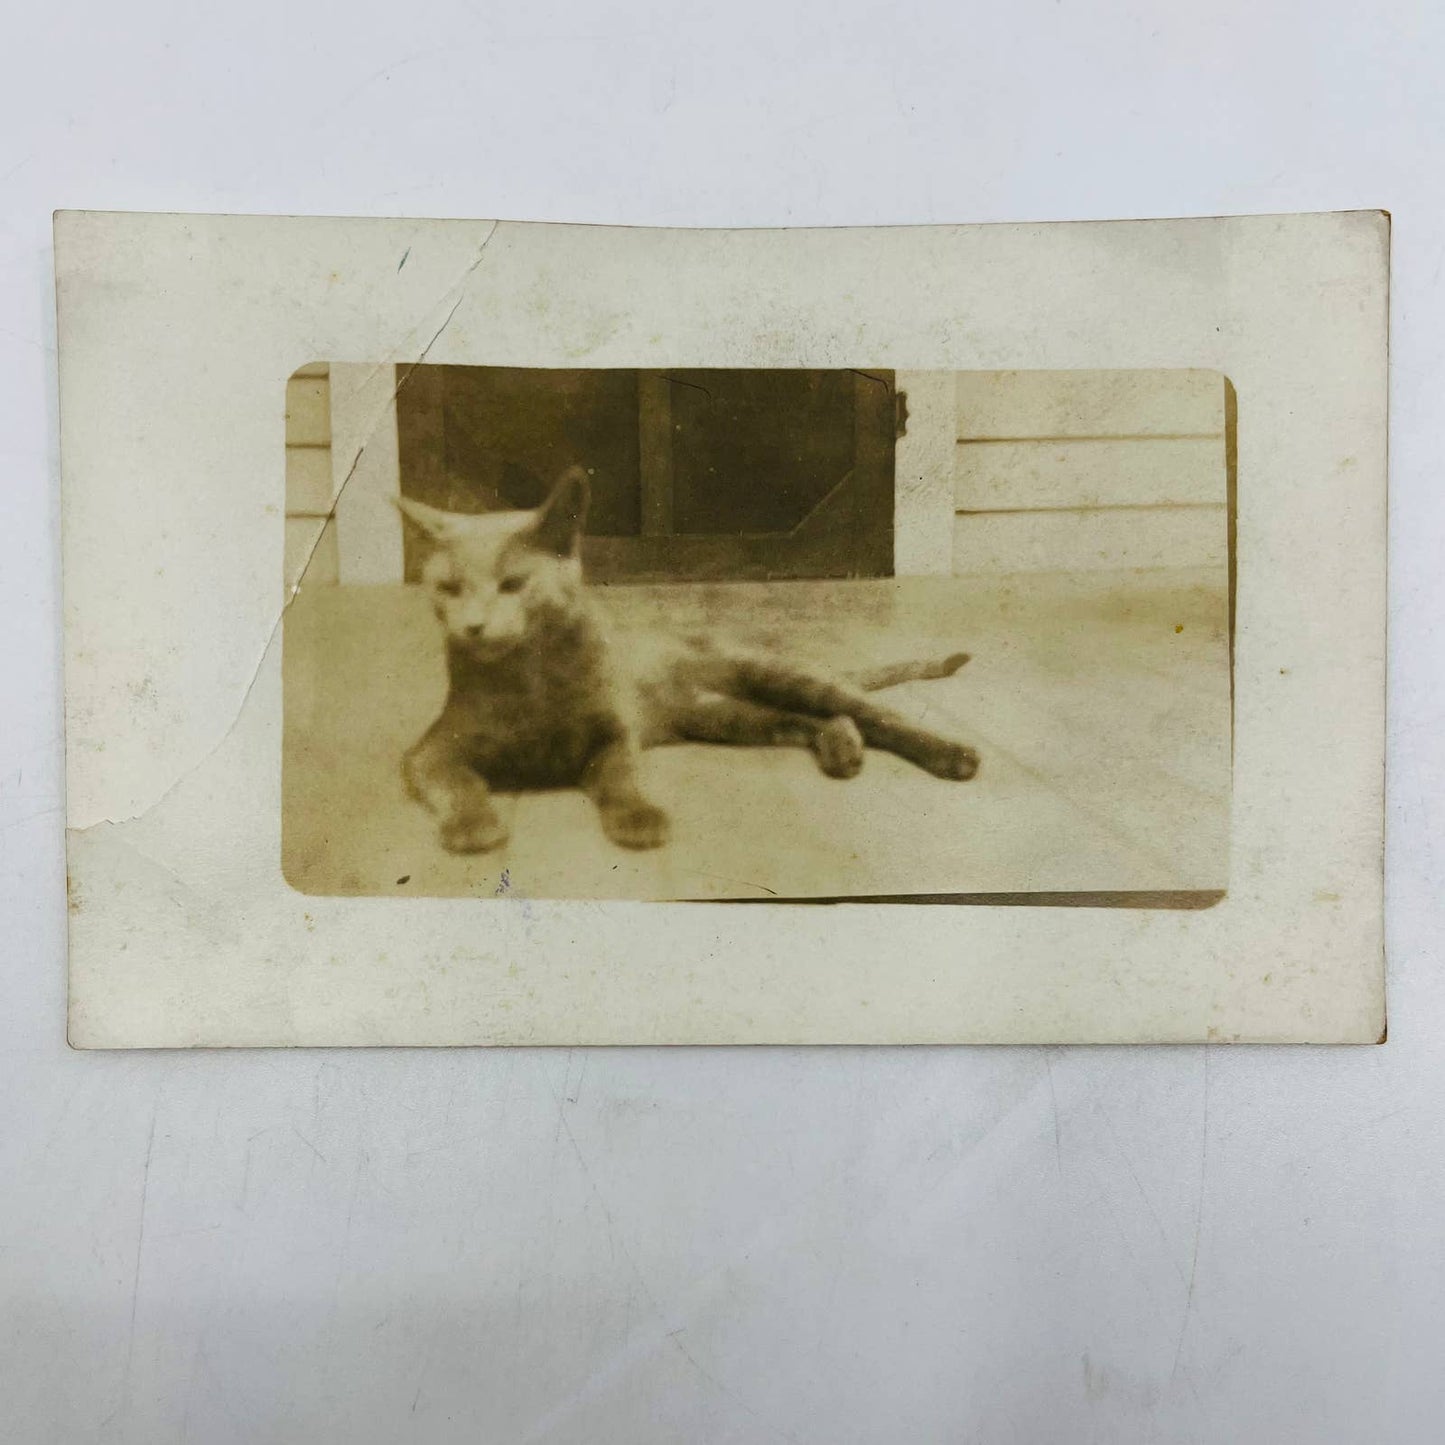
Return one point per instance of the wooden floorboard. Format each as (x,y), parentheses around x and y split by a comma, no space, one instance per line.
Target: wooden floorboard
(1104,733)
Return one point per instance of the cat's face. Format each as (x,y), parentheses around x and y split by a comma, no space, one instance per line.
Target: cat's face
(495,578)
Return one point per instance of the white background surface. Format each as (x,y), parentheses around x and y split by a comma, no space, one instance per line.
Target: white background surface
(839,1245)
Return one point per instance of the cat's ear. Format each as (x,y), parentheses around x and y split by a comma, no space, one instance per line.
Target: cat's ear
(561,517)
(438,526)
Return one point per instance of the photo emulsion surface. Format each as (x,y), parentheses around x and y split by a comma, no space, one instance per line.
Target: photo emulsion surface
(758,634)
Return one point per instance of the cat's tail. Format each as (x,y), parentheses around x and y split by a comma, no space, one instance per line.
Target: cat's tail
(871,679)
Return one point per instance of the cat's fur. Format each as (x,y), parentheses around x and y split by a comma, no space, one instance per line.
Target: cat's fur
(541,697)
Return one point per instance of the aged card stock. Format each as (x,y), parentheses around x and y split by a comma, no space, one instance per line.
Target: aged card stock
(465,620)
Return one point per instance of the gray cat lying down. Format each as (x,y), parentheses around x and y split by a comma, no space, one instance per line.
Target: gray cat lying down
(541,696)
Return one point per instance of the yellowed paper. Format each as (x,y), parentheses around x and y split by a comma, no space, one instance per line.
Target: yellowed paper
(1135,471)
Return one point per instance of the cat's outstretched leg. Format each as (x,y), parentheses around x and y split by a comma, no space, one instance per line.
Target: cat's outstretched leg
(627,817)
(836,741)
(793,689)
(438,774)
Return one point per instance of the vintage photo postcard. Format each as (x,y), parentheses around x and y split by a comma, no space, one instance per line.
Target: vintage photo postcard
(465,619)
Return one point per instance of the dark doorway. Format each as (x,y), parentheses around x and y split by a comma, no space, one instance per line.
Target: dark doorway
(696,475)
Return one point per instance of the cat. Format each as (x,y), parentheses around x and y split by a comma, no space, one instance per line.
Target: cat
(541,696)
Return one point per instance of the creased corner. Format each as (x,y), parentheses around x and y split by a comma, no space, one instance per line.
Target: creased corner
(450,303)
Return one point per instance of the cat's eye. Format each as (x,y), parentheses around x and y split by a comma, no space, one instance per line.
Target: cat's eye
(511,584)
(449,587)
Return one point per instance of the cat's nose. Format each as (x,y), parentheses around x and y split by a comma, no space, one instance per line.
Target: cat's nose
(472,631)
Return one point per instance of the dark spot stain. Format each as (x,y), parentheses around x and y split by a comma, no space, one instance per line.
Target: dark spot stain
(405,878)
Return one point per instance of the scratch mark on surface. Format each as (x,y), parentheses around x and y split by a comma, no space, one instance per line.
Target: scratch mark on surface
(1054,1099)
(404,255)
(385,73)
(406,376)
(363,1162)
(691,385)
(18,166)
(140,1239)
(427,1356)
(557,1132)
(246,1170)
(195,1370)
(674,1338)
(1143,1194)
(868,376)
(308,1144)
(542,1428)
(1198,1220)
(742,882)
(576,1092)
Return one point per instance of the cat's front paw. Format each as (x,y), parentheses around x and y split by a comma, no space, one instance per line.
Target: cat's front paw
(839,746)
(473,833)
(636,825)
(952,760)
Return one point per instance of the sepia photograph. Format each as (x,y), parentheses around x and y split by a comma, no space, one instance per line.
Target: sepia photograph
(765,634)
